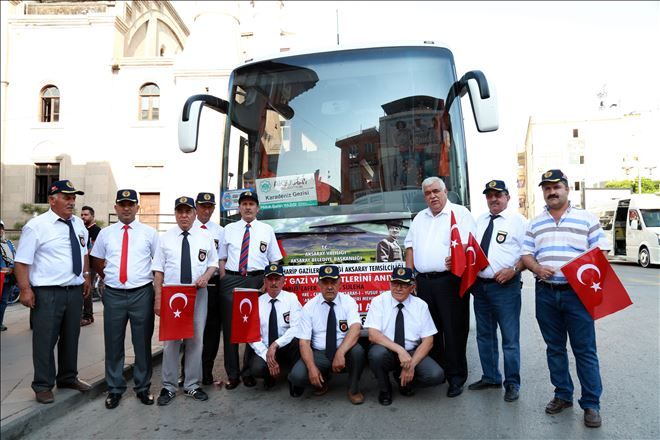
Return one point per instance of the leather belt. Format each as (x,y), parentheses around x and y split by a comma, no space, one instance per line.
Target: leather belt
(254,273)
(555,286)
(487,280)
(57,287)
(433,275)
(134,289)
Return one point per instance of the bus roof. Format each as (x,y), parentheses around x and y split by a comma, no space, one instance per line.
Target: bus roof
(341,47)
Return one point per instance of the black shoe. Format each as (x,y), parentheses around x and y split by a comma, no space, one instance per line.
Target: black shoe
(385,398)
(197,394)
(166,396)
(269,382)
(511,393)
(406,391)
(249,381)
(145,397)
(295,391)
(482,385)
(557,405)
(112,401)
(232,383)
(592,418)
(454,390)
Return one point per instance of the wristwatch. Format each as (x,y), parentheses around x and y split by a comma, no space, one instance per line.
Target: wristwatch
(515,268)
(86,273)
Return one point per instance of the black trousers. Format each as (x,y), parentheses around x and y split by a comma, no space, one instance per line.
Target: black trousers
(286,356)
(211,339)
(355,361)
(56,317)
(220,319)
(451,315)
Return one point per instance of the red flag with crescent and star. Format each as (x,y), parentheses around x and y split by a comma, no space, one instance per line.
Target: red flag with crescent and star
(476,261)
(245,316)
(177,309)
(457,253)
(596,284)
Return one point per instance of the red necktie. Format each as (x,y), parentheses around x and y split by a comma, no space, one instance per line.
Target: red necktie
(123,273)
(245,247)
(203,227)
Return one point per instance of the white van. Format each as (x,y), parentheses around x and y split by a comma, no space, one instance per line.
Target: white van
(632,226)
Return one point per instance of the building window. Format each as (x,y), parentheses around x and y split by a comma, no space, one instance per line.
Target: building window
(575,133)
(577,186)
(45,175)
(582,160)
(50,104)
(149,102)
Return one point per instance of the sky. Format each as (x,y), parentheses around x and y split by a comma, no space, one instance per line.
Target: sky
(546,60)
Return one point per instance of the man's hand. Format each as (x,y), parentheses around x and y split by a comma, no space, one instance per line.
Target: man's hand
(202,282)
(338,363)
(315,377)
(407,375)
(157,308)
(448,263)
(405,360)
(273,366)
(87,286)
(504,275)
(27,298)
(544,272)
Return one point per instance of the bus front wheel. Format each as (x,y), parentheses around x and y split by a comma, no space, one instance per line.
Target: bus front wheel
(644,257)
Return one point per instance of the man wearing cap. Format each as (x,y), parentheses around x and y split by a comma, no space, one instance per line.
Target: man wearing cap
(328,332)
(87,216)
(52,272)
(427,251)
(185,256)
(560,233)
(496,291)
(401,333)
(388,249)
(205,204)
(122,256)
(279,315)
(246,248)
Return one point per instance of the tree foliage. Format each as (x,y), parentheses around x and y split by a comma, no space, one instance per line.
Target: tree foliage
(649,186)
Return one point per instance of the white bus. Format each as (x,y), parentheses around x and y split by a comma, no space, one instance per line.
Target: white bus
(336,144)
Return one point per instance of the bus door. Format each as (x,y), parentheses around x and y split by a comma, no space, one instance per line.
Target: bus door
(620,227)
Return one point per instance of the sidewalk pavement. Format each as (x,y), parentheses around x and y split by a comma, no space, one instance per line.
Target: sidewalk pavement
(19,411)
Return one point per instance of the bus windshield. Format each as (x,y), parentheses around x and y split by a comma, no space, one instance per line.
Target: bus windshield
(348,133)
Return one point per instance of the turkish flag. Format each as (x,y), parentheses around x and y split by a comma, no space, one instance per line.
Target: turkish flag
(596,283)
(281,246)
(476,262)
(456,250)
(177,309)
(2,281)
(245,316)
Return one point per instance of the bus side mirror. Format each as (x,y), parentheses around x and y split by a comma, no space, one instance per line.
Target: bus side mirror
(190,117)
(482,99)
(485,111)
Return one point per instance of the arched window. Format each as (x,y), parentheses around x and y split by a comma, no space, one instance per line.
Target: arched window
(50,104)
(149,102)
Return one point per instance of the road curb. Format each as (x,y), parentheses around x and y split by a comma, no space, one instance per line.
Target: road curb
(37,416)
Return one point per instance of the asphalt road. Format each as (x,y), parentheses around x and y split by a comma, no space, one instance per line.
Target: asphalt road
(628,345)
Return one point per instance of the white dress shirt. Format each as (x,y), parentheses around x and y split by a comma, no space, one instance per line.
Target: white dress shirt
(417,321)
(429,236)
(263,245)
(288,310)
(168,255)
(142,245)
(314,321)
(214,230)
(45,246)
(505,243)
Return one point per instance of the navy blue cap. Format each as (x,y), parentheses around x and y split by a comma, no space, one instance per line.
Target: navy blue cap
(496,185)
(553,176)
(188,201)
(272,269)
(248,195)
(328,271)
(205,198)
(64,187)
(126,195)
(403,275)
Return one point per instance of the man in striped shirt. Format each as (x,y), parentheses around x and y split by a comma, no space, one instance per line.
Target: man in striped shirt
(558,235)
